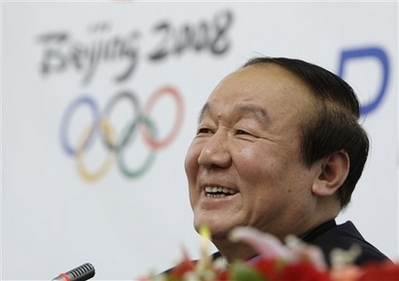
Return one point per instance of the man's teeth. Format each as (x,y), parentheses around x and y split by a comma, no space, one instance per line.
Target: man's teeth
(218,192)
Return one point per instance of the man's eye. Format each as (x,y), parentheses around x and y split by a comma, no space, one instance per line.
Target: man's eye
(242,132)
(203,131)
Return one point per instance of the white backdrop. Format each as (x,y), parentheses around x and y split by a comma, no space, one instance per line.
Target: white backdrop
(63,64)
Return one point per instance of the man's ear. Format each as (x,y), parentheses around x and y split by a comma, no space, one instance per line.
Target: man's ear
(334,170)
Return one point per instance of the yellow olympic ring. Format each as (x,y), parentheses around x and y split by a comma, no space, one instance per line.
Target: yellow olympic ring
(82,170)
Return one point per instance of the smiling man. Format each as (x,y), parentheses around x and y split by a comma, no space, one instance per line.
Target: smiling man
(279,148)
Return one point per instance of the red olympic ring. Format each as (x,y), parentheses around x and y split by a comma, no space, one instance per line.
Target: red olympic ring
(166,90)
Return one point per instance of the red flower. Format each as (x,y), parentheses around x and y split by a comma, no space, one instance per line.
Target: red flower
(302,271)
(185,266)
(383,271)
(269,267)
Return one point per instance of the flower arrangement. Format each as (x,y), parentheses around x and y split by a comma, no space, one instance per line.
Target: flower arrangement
(292,261)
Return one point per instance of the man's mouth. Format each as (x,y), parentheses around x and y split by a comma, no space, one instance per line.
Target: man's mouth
(218,191)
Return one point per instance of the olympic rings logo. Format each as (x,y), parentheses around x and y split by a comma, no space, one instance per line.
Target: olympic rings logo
(116,145)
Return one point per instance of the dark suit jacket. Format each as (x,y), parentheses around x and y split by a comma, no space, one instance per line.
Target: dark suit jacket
(329,236)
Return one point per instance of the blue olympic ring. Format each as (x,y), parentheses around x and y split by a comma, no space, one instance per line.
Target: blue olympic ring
(67,116)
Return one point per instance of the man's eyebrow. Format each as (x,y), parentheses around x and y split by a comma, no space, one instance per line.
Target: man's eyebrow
(203,111)
(255,110)
(252,109)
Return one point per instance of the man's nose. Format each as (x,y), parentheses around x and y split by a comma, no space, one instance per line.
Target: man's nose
(216,152)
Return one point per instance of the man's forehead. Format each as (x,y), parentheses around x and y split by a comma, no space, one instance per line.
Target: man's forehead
(259,75)
(258,89)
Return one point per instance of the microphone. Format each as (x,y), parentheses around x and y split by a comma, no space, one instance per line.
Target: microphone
(81,273)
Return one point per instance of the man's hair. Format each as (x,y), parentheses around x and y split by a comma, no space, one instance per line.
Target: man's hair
(333,125)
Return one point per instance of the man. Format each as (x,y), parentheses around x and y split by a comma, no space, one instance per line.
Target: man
(278,147)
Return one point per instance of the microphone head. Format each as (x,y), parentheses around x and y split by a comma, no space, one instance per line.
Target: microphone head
(81,273)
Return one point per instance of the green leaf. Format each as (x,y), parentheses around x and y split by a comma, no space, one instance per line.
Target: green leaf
(243,272)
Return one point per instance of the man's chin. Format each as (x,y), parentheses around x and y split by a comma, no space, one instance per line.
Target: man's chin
(217,230)
(220,236)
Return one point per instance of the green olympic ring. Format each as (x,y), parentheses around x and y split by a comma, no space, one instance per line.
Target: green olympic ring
(150,158)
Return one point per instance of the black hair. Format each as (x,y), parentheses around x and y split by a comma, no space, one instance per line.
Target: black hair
(334,123)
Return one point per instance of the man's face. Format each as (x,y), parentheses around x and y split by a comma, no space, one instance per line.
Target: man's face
(244,166)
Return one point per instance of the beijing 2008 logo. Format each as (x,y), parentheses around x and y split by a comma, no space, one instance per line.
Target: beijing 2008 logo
(116,145)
